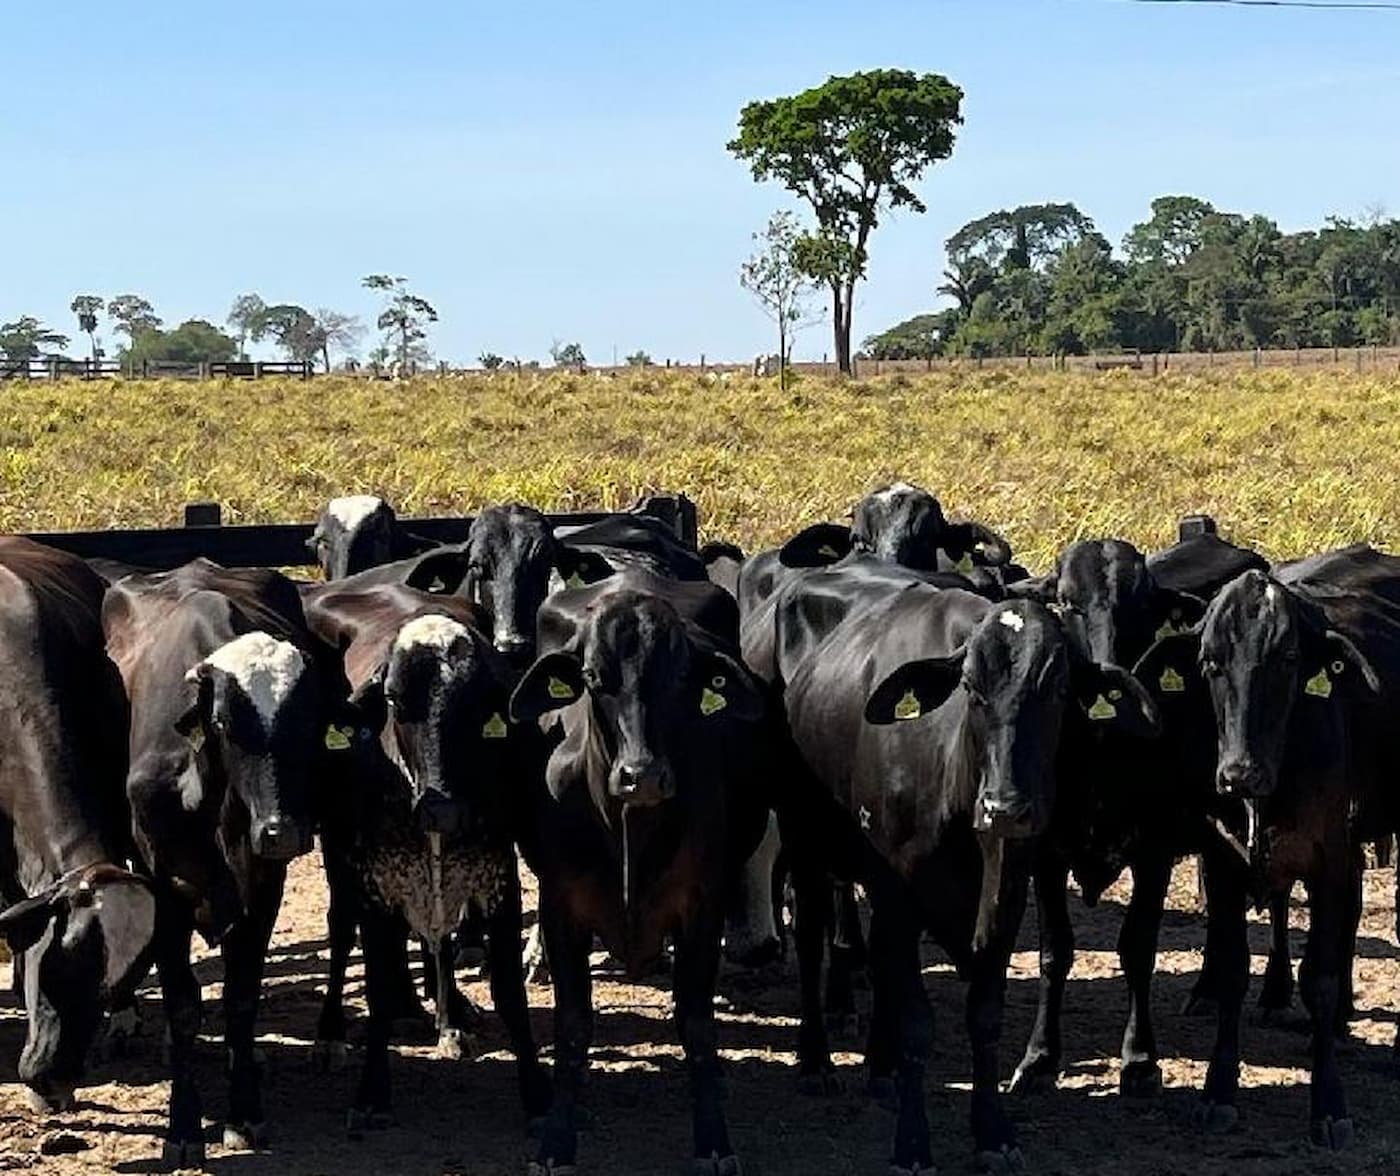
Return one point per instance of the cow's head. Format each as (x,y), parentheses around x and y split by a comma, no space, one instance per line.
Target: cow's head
(645,680)
(1265,650)
(512,558)
(353,534)
(1016,676)
(256,719)
(86,943)
(1108,599)
(439,705)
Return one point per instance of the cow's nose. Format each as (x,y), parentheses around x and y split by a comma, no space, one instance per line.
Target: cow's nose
(1240,776)
(49,1096)
(1007,816)
(759,954)
(513,644)
(641,783)
(439,814)
(280,840)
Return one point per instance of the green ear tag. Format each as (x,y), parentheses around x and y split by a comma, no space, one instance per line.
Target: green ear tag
(574,580)
(495,727)
(908,707)
(196,737)
(1170,629)
(1320,685)
(712,702)
(338,738)
(826,551)
(1171,682)
(965,564)
(560,689)
(1102,709)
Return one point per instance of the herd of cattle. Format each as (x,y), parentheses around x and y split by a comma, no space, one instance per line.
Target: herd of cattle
(677,743)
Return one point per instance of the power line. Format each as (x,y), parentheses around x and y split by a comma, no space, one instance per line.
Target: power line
(1371,5)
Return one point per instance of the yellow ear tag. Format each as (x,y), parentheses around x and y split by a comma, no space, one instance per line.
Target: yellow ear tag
(712,702)
(1171,682)
(826,551)
(196,737)
(574,580)
(1320,685)
(494,728)
(1102,709)
(908,707)
(560,689)
(338,738)
(965,564)
(1170,629)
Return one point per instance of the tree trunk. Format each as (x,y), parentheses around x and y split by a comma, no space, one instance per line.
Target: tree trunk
(326,356)
(841,325)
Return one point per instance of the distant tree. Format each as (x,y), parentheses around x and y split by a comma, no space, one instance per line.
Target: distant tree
(133,316)
(491,361)
(851,148)
(405,318)
(568,355)
(342,332)
(921,337)
(26,337)
(87,307)
(193,341)
(639,359)
(292,329)
(247,318)
(777,275)
(1021,238)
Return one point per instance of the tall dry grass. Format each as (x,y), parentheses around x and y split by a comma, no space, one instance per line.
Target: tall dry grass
(1288,462)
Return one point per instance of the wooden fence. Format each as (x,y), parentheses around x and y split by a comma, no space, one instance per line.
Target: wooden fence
(281,545)
(58,368)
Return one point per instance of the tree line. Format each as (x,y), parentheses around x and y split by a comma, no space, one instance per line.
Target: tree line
(1042,280)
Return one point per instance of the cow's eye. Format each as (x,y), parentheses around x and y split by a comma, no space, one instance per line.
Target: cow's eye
(592,679)
(1210,667)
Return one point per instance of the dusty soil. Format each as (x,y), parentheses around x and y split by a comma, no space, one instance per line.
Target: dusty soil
(464,1117)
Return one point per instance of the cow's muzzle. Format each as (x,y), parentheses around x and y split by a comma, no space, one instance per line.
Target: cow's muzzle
(280,840)
(515,646)
(642,784)
(1242,776)
(49,1096)
(1006,818)
(437,812)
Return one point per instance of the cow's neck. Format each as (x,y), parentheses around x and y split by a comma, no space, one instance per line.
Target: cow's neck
(953,761)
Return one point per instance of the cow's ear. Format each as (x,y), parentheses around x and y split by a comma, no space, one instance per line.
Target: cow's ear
(21,925)
(578,567)
(722,686)
(554,681)
(1111,695)
(1042,589)
(439,571)
(818,546)
(199,686)
(1343,656)
(1176,612)
(915,689)
(1168,669)
(367,704)
(968,540)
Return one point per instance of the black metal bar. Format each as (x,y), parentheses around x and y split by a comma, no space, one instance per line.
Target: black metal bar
(1197,524)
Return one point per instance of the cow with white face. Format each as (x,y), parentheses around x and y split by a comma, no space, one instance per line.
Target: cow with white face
(235,712)
(357,532)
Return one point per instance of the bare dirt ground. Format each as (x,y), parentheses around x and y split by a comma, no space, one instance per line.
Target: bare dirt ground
(464,1117)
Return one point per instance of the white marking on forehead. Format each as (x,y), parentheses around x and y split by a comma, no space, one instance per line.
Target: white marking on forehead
(352,510)
(433,630)
(1271,595)
(1013,621)
(895,491)
(265,668)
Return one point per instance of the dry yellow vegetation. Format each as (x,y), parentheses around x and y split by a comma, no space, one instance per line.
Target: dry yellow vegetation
(1287,462)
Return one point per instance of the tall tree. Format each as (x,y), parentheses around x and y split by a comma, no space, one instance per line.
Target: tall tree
(776,279)
(194,341)
(852,148)
(133,316)
(26,336)
(247,318)
(87,307)
(294,329)
(1027,237)
(405,316)
(340,331)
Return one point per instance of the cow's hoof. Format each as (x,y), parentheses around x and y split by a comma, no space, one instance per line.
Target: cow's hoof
(329,1056)
(1140,1080)
(821,1084)
(358,1121)
(550,1168)
(883,1092)
(1036,1075)
(245,1136)
(1214,1118)
(1005,1161)
(182,1154)
(450,1045)
(1333,1134)
(717,1165)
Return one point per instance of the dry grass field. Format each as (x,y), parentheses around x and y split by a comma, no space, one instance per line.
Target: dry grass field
(1286,462)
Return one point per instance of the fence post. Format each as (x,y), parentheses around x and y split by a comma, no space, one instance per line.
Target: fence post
(203,514)
(257,370)
(53,367)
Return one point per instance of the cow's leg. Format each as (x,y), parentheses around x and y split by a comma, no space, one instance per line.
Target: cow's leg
(1141,1074)
(1040,1065)
(696,966)
(1276,994)
(897,977)
(1225,909)
(184,1133)
(507,973)
(342,917)
(446,1008)
(1329,904)
(380,933)
(568,946)
(245,952)
(812,899)
(848,956)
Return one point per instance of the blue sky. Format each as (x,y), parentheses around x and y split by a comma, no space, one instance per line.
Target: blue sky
(557,170)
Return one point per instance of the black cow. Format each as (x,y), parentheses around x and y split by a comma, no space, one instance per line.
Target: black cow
(1127,802)
(231,701)
(81,924)
(359,532)
(655,793)
(928,723)
(1301,669)
(440,790)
